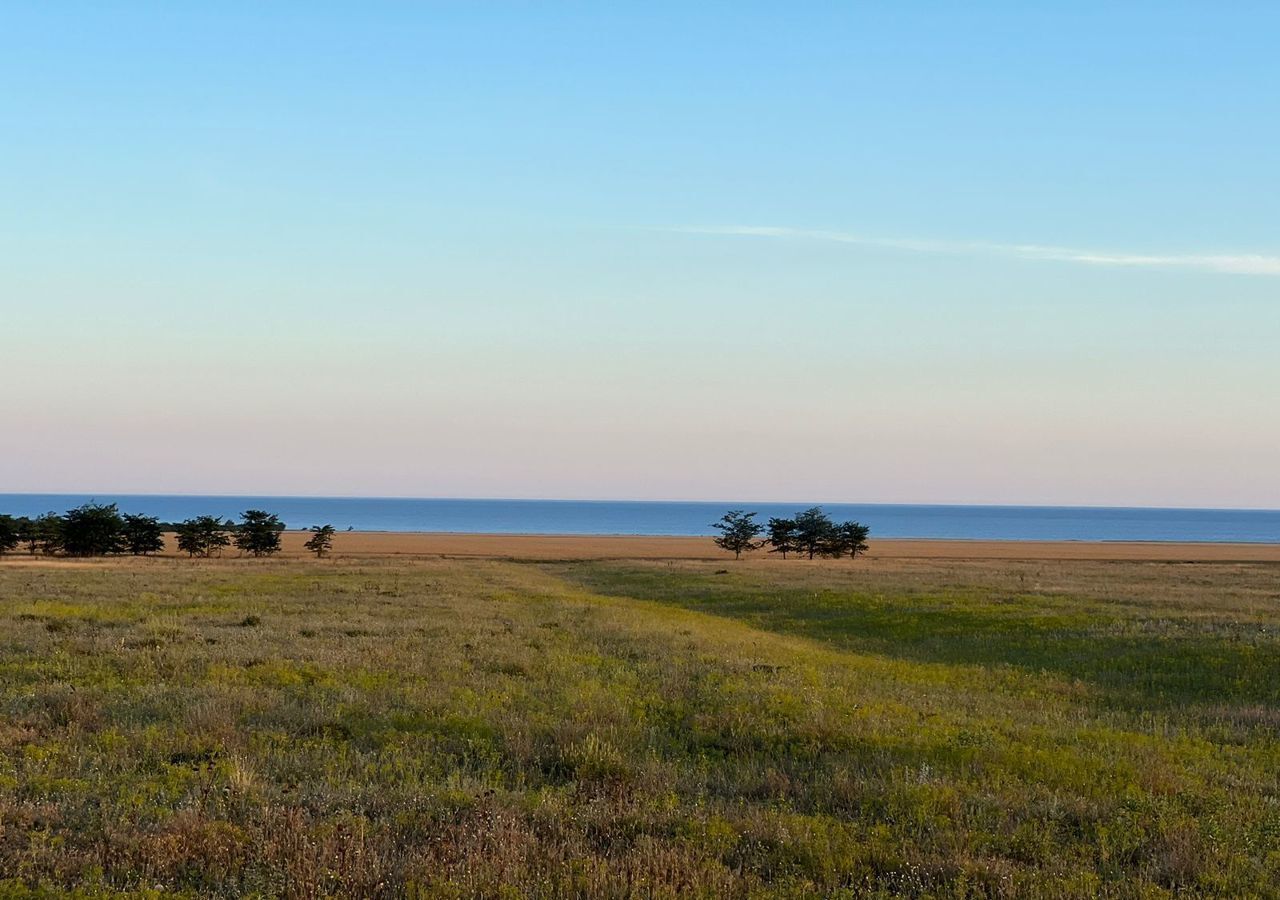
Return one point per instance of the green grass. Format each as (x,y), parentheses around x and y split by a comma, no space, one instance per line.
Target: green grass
(460,729)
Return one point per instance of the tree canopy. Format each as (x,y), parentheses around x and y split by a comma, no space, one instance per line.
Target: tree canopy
(782,535)
(738,532)
(851,539)
(93,529)
(202,536)
(321,540)
(8,533)
(814,531)
(258,532)
(96,529)
(810,532)
(142,534)
(42,534)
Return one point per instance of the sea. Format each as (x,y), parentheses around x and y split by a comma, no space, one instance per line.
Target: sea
(647,517)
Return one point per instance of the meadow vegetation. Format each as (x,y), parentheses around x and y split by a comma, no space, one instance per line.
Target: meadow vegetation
(443,728)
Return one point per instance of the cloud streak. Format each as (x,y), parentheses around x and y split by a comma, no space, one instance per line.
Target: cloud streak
(1222,263)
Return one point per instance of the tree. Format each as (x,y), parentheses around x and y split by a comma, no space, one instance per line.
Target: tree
(782,535)
(42,534)
(8,533)
(321,540)
(850,538)
(92,530)
(142,534)
(813,531)
(738,532)
(202,536)
(26,527)
(259,532)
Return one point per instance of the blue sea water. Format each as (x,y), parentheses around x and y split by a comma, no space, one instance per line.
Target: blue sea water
(1018,523)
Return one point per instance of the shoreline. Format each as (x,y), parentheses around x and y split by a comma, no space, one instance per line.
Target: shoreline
(604,546)
(356,545)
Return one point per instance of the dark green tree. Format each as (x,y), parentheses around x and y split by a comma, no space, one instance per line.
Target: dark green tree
(782,535)
(94,529)
(202,536)
(8,533)
(848,539)
(814,531)
(259,532)
(43,534)
(321,540)
(26,532)
(738,532)
(142,534)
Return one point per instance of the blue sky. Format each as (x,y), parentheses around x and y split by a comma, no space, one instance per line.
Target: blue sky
(889,252)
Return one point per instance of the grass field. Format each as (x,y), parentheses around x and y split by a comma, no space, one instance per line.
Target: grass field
(602,728)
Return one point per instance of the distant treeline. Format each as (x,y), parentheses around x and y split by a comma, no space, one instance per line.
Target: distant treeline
(809,533)
(101,530)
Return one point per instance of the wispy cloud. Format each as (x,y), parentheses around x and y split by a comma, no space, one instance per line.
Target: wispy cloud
(1228,263)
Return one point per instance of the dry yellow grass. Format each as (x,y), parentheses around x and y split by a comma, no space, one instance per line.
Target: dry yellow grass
(556,546)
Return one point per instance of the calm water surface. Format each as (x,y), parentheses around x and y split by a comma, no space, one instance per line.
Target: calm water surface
(1018,523)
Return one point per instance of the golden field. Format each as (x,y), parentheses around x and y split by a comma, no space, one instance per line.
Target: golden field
(366,544)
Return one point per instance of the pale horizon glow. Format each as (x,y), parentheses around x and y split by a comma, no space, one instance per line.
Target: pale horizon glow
(728,502)
(994,253)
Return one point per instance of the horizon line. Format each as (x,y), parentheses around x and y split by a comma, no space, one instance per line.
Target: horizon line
(95,494)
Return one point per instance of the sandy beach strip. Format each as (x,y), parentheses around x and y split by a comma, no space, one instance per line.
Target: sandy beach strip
(552,546)
(543,547)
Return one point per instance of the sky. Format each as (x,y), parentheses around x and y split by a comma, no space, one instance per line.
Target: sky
(864,252)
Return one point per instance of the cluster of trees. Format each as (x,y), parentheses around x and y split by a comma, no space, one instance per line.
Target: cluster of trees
(89,530)
(101,530)
(257,533)
(809,533)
